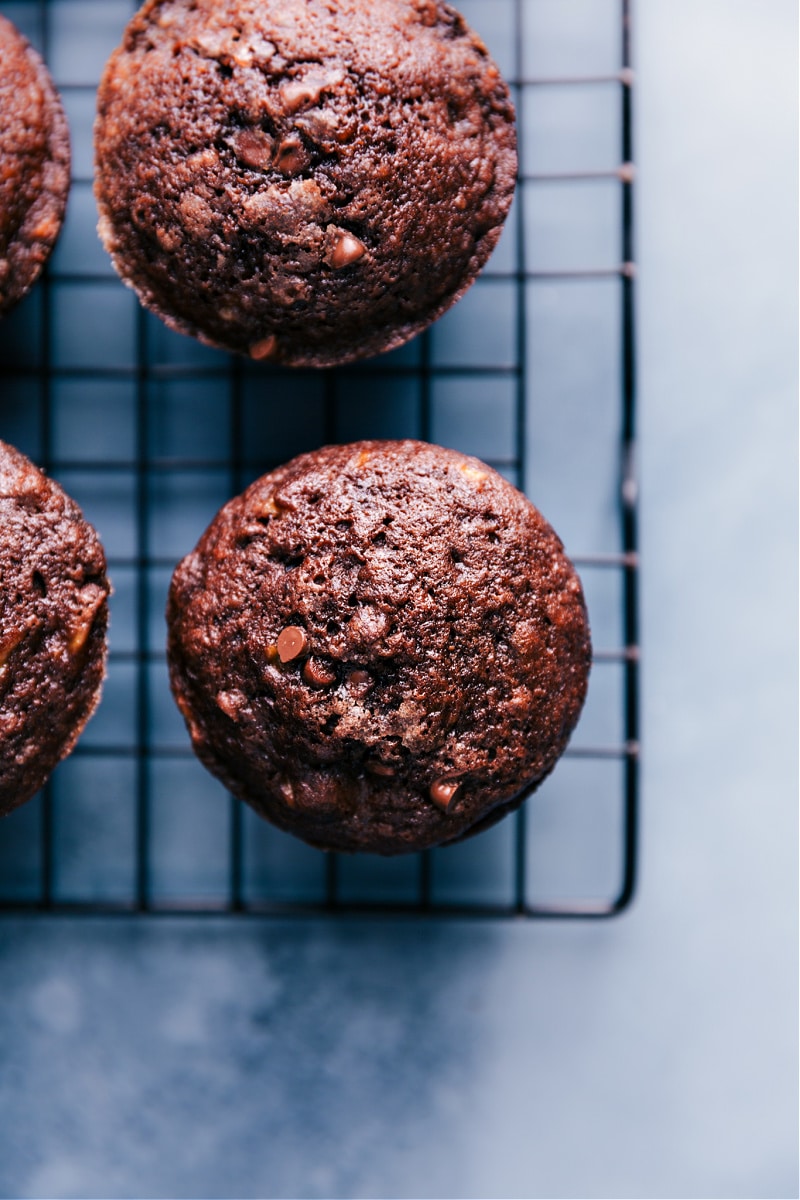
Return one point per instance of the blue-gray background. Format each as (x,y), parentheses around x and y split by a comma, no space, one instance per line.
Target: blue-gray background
(654,1056)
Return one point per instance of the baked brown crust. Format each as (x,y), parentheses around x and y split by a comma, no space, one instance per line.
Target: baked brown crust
(380,647)
(34,165)
(302,181)
(53,618)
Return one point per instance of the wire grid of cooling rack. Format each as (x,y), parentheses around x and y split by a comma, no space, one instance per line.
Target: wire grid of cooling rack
(534,371)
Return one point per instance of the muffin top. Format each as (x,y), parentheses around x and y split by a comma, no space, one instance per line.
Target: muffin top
(53,617)
(379,646)
(304,181)
(34,165)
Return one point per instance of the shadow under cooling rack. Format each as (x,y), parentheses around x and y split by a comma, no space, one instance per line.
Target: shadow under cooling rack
(533,371)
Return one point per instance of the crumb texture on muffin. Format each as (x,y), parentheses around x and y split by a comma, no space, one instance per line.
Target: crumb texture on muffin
(381,646)
(53,618)
(34,165)
(302,181)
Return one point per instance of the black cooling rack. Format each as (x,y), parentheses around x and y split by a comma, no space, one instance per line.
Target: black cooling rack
(534,371)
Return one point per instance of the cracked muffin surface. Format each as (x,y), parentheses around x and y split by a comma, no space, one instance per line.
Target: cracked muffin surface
(34,165)
(380,646)
(302,181)
(53,618)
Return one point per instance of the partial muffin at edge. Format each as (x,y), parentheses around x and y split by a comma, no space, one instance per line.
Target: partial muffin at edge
(34,165)
(53,618)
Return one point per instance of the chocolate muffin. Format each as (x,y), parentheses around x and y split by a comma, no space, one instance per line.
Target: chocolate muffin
(302,181)
(34,165)
(380,646)
(53,616)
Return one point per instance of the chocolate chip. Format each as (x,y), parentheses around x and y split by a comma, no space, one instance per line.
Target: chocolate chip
(347,249)
(360,678)
(265,348)
(292,643)
(253,147)
(318,673)
(376,767)
(291,156)
(443,793)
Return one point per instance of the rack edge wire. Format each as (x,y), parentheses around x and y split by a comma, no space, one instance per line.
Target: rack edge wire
(235,903)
